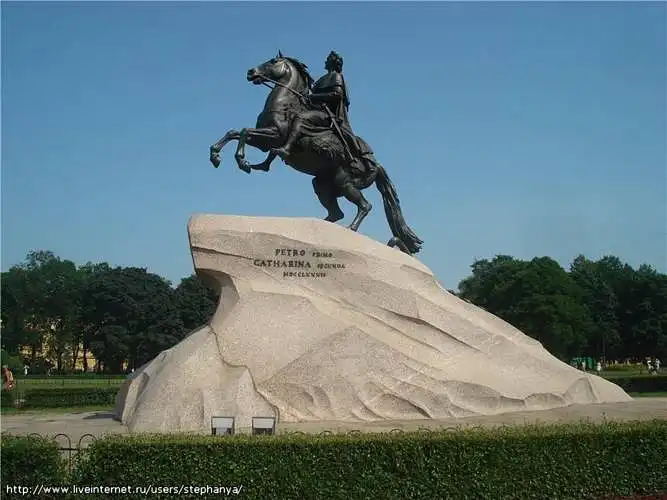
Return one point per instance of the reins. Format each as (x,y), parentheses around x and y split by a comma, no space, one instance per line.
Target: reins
(266,78)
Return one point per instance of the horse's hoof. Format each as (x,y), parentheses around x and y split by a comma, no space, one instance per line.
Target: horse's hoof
(334,217)
(215,161)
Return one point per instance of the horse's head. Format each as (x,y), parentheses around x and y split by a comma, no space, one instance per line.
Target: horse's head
(279,69)
(275,69)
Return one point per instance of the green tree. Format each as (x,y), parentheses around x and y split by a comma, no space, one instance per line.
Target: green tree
(604,339)
(643,313)
(111,345)
(538,297)
(41,295)
(142,310)
(58,287)
(489,278)
(16,312)
(638,325)
(196,302)
(86,330)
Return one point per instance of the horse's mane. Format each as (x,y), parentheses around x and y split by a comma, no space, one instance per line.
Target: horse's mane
(302,69)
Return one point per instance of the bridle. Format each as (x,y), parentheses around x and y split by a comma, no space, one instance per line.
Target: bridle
(266,79)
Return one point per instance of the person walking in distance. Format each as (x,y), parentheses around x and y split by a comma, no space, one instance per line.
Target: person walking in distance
(7,378)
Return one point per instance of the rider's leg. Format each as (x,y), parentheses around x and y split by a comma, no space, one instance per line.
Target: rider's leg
(355,164)
(294,134)
(292,137)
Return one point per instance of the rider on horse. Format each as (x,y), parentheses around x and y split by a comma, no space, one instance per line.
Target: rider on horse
(329,101)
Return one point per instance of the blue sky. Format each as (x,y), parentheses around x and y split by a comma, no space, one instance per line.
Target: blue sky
(526,129)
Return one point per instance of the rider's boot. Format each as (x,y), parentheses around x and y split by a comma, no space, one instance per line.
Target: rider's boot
(294,133)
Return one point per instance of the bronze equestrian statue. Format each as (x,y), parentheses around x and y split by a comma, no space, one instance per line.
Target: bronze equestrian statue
(307,125)
(329,94)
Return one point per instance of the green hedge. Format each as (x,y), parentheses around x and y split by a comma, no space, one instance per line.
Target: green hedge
(13,361)
(61,397)
(563,462)
(650,383)
(536,462)
(29,461)
(73,376)
(7,400)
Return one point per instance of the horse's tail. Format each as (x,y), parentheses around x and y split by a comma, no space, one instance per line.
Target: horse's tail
(392,208)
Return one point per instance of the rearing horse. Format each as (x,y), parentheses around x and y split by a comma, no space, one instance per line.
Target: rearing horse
(320,154)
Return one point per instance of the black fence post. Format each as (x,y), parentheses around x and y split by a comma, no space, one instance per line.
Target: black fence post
(73,452)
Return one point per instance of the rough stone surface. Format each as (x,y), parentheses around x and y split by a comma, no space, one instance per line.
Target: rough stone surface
(364,334)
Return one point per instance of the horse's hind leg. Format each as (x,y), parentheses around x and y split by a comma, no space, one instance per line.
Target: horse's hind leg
(353,194)
(325,190)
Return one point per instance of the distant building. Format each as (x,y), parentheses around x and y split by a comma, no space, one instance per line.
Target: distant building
(42,352)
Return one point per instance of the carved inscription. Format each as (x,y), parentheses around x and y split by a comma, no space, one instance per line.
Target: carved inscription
(300,263)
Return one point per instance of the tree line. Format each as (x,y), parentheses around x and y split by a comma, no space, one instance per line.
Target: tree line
(55,312)
(604,309)
(60,312)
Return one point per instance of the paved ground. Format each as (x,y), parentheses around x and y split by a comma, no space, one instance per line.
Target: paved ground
(74,425)
(78,425)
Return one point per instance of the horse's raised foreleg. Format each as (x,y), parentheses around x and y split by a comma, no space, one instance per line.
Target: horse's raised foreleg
(239,156)
(266,164)
(261,138)
(214,155)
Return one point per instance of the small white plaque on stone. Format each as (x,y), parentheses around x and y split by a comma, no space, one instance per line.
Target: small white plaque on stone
(222,425)
(263,425)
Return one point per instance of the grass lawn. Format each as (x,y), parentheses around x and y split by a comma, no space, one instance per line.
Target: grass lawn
(627,374)
(648,394)
(69,409)
(47,383)
(55,383)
